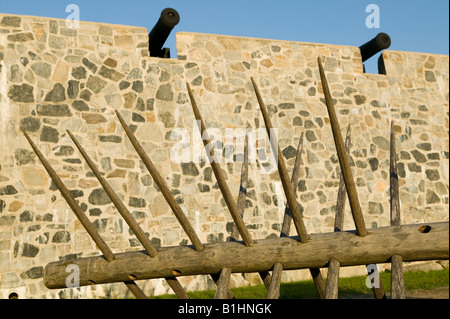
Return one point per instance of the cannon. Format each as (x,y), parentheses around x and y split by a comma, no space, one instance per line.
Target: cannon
(380,42)
(168,20)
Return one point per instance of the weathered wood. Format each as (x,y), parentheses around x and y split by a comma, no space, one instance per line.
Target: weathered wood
(285,181)
(85,222)
(342,156)
(287,219)
(393,180)
(242,190)
(331,290)
(223,292)
(179,214)
(125,213)
(378,292)
(121,208)
(397,278)
(266,278)
(274,288)
(409,241)
(231,204)
(177,288)
(135,289)
(342,192)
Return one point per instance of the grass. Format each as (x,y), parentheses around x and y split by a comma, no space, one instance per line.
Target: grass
(347,286)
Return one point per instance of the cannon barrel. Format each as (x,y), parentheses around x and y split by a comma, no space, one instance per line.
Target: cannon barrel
(160,32)
(380,42)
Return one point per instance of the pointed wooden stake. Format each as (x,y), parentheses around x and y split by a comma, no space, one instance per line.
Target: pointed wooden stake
(177,288)
(182,219)
(232,207)
(106,251)
(274,286)
(242,190)
(331,290)
(343,158)
(122,209)
(287,187)
(221,292)
(73,204)
(397,278)
(125,213)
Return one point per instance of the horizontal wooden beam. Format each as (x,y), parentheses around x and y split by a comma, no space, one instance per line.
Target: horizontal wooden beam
(413,242)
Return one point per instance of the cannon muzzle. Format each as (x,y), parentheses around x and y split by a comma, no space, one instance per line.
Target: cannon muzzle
(380,42)
(160,32)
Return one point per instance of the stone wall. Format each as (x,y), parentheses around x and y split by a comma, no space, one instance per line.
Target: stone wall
(54,78)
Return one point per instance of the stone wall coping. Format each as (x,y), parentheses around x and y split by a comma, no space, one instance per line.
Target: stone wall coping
(113,25)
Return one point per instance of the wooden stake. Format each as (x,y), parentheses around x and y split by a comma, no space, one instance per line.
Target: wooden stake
(397,278)
(176,287)
(331,290)
(274,287)
(106,251)
(243,231)
(182,219)
(223,291)
(289,192)
(123,210)
(125,213)
(343,158)
(242,190)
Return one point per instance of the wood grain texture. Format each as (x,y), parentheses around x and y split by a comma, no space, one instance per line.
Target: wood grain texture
(377,247)
(231,204)
(176,209)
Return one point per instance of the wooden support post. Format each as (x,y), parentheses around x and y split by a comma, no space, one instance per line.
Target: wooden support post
(182,219)
(343,158)
(106,251)
(287,219)
(177,288)
(414,242)
(243,231)
(121,208)
(125,213)
(289,192)
(397,278)
(378,292)
(104,248)
(331,291)
(274,288)
(223,292)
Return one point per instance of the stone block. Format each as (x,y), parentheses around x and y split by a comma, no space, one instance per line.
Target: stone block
(21,93)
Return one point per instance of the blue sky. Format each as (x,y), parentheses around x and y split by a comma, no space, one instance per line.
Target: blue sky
(413,25)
